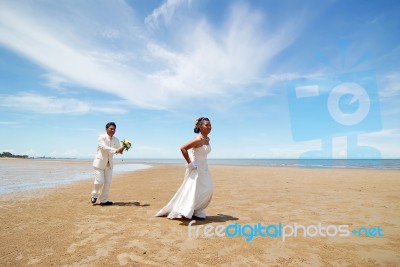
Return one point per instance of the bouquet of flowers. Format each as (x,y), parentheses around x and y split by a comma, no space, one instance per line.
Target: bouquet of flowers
(126,144)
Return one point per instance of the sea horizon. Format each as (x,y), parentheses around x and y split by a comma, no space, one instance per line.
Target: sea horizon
(389,163)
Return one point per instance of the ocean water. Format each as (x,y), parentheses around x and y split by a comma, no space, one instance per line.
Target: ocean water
(390,164)
(29,174)
(22,175)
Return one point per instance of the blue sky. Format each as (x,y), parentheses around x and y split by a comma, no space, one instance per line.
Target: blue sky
(153,67)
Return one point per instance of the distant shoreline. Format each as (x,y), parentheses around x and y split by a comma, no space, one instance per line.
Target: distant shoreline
(10,155)
(27,158)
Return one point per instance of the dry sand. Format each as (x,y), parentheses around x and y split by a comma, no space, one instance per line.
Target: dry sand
(60,227)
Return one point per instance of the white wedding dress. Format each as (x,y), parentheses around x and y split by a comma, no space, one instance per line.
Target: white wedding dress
(196,191)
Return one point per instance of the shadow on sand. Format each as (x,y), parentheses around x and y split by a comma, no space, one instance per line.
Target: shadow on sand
(126,204)
(208,219)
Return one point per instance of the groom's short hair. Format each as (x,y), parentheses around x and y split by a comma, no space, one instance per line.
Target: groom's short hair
(111,124)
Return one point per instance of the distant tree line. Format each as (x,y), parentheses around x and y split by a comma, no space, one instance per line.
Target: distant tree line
(9,155)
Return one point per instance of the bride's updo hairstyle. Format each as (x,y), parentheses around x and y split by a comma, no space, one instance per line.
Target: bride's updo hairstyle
(198,123)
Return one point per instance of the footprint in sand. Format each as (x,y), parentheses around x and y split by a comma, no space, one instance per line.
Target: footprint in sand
(127,258)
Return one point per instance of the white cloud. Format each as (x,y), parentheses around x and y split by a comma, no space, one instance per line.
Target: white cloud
(52,105)
(73,59)
(10,123)
(69,153)
(165,12)
(390,85)
(211,63)
(387,141)
(225,62)
(385,133)
(56,81)
(110,33)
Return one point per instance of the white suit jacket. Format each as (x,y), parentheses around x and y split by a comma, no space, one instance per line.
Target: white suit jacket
(106,149)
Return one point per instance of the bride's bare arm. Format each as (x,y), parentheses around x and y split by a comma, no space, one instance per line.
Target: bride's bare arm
(184,149)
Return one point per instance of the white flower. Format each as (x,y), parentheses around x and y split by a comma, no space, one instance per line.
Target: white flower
(126,144)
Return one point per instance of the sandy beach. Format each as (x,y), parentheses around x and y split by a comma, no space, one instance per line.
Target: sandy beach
(60,227)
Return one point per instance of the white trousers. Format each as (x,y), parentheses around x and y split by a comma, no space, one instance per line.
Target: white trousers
(102,182)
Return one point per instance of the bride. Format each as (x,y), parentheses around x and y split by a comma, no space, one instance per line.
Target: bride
(195,193)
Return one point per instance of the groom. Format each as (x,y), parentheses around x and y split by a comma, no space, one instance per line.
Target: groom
(107,146)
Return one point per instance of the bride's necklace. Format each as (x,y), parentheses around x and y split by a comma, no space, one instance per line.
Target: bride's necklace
(204,138)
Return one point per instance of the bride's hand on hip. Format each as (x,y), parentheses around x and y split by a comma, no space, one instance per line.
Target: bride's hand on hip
(191,166)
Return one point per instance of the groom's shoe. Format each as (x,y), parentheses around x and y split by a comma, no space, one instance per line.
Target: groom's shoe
(107,203)
(93,200)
